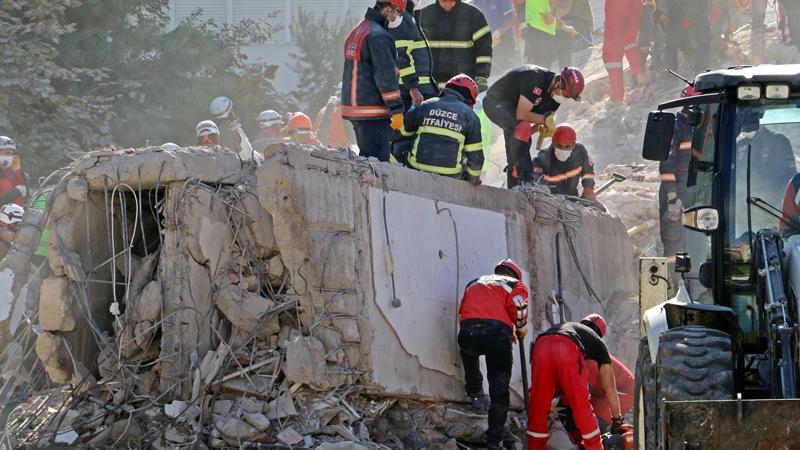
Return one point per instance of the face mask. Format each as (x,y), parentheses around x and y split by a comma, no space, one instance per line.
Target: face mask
(6,161)
(560,99)
(396,23)
(563,155)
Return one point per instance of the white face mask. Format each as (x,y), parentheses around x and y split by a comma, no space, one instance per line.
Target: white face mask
(6,161)
(560,99)
(396,23)
(562,155)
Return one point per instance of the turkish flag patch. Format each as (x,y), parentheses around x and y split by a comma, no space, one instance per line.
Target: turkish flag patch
(537,90)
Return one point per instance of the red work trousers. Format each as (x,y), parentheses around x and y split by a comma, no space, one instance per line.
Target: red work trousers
(623,18)
(557,365)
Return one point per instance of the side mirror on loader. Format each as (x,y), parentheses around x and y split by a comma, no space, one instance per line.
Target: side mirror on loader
(658,135)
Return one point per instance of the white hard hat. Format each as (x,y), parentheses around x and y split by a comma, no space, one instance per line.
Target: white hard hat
(269,118)
(221,107)
(11,214)
(169,146)
(7,142)
(206,127)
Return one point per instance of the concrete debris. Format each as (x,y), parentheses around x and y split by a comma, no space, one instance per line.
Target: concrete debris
(52,351)
(57,311)
(234,430)
(290,437)
(248,311)
(257,420)
(66,436)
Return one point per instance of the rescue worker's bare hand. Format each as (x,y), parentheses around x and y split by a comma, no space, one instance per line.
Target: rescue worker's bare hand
(416,96)
(548,18)
(569,30)
(588,194)
(397,122)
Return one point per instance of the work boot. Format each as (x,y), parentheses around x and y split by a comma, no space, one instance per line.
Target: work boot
(479,402)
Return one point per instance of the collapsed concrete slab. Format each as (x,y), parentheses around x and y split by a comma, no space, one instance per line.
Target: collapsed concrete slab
(196,278)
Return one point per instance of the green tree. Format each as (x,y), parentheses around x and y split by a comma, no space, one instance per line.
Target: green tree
(319,58)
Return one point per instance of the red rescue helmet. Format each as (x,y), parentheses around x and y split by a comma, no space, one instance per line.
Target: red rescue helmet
(467,83)
(572,82)
(595,321)
(299,121)
(509,264)
(399,4)
(565,135)
(689,91)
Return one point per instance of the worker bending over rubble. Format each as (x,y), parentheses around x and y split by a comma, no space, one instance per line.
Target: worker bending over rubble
(460,41)
(370,89)
(566,162)
(558,365)
(492,308)
(522,102)
(445,131)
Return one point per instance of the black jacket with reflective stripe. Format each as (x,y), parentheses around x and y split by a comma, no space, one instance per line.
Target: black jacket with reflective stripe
(413,57)
(562,176)
(460,40)
(447,130)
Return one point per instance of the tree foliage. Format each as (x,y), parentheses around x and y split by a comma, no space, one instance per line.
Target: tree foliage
(98,72)
(319,58)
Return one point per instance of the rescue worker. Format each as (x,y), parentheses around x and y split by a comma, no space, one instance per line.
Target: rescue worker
(625,385)
(447,131)
(493,307)
(370,90)
(207,133)
(672,195)
(300,129)
(501,15)
(564,163)
(460,41)
(10,215)
(687,28)
(519,102)
(413,59)
(623,18)
(558,364)
(12,180)
(270,125)
(541,27)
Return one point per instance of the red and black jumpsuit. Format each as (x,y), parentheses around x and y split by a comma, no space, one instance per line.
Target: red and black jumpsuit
(623,18)
(558,364)
(493,305)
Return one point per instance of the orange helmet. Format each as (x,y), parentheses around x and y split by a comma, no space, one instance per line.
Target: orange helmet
(299,121)
(509,264)
(595,321)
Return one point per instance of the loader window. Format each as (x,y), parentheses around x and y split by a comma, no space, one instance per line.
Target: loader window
(764,140)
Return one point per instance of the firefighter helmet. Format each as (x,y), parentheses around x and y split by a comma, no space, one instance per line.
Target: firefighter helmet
(299,121)
(572,82)
(509,264)
(221,107)
(7,143)
(597,322)
(466,83)
(11,214)
(206,128)
(565,135)
(269,118)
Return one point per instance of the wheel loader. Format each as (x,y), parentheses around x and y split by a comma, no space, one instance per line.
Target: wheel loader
(719,363)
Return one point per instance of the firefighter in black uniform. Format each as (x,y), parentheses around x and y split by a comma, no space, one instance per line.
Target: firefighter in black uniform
(460,41)
(413,59)
(674,171)
(564,163)
(445,131)
(522,102)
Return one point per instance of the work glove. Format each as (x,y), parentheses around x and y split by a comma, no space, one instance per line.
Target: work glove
(483,83)
(618,425)
(523,131)
(23,191)
(416,96)
(397,122)
(674,207)
(588,194)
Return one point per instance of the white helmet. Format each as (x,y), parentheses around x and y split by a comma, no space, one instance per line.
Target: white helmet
(269,118)
(11,214)
(170,146)
(206,127)
(221,107)
(7,142)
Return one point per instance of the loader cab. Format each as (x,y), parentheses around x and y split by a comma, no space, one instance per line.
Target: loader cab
(742,177)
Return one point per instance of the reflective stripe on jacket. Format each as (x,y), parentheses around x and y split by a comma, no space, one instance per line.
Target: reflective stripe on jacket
(447,130)
(562,176)
(413,59)
(370,87)
(460,40)
(496,297)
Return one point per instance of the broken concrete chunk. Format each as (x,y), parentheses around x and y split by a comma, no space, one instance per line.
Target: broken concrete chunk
(290,437)
(57,310)
(253,385)
(276,269)
(53,352)
(348,329)
(148,305)
(66,436)
(341,446)
(281,407)
(287,334)
(77,189)
(330,339)
(257,420)
(62,205)
(234,430)
(212,362)
(143,333)
(126,433)
(252,405)
(260,226)
(27,237)
(305,363)
(245,309)
(222,407)
(54,258)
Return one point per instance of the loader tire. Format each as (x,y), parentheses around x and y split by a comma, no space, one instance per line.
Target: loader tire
(645,404)
(693,363)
